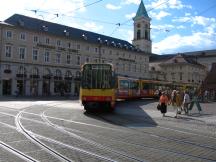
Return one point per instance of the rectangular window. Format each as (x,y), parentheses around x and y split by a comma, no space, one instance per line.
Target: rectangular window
(78,60)
(68,59)
(69,45)
(35,54)
(47,41)
(9,34)
(96,50)
(87,59)
(8,50)
(103,51)
(78,46)
(58,43)
(22,51)
(22,36)
(58,58)
(35,39)
(46,56)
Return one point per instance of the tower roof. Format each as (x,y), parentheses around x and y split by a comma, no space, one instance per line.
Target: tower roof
(141,12)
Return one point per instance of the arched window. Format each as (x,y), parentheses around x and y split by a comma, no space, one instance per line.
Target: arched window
(78,74)
(47,72)
(21,70)
(68,74)
(35,71)
(58,73)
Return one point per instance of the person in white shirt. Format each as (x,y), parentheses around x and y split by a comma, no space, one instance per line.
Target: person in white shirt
(186,102)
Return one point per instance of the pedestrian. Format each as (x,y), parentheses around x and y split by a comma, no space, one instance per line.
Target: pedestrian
(178,103)
(186,102)
(163,103)
(206,95)
(173,99)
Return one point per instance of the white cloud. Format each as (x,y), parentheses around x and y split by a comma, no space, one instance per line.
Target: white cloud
(204,21)
(163,4)
(160,15)
(130,16)
(49,8)
(176,43)
(137,2)
(113,7)
(196,20)
(92,27)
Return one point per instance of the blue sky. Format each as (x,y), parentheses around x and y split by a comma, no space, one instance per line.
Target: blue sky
(177,25)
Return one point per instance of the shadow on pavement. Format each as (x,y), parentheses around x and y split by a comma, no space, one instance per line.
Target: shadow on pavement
(126,114)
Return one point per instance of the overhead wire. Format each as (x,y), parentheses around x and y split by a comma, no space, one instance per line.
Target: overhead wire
(120,24)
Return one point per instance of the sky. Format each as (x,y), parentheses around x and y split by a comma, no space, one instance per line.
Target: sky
(177,26)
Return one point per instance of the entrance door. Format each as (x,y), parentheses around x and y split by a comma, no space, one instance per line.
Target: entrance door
(21,87)
(6,87)
(46,87)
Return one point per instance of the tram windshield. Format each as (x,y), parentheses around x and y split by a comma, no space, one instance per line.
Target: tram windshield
(97,76)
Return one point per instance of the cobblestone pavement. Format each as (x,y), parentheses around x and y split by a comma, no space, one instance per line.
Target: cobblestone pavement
(58,129)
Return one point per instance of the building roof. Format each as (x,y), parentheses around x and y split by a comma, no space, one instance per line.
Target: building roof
(39,25)
(141,12)
(166,59)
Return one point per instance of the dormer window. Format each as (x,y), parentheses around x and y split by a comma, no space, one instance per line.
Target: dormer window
(113,43)
(119,45)
(66,33)
(99,40)
(84,37)
(106,42)
(45,28)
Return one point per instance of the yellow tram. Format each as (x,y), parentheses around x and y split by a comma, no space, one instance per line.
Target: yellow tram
(97,86)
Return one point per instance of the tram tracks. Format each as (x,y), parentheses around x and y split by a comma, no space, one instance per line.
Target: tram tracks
(131,143)
(101,146)
(17,152)
(36,139)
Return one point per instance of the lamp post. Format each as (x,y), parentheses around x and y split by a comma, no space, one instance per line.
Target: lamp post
(99,49)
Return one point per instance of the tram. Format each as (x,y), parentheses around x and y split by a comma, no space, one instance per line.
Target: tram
(97,86)
(100,88)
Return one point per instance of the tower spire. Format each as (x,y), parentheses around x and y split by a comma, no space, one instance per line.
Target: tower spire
(141,12)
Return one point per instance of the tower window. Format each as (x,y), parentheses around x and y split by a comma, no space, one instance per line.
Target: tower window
(146,35)
(138,34)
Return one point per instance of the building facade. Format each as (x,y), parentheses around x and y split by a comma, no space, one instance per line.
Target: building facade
(178,69)
(42,58)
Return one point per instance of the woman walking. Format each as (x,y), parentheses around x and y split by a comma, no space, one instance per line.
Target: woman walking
(178,103)
(163,103)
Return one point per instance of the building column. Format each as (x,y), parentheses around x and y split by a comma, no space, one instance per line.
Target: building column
(72,87)
(27,88)
(1,89)
(14,87)
(40,88)
(52,87)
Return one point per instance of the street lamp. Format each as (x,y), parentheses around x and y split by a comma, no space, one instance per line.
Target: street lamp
(100,44)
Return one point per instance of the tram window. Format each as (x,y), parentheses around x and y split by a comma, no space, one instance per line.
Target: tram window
(123,84)
(97,77)
(146,85)
(134,85)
